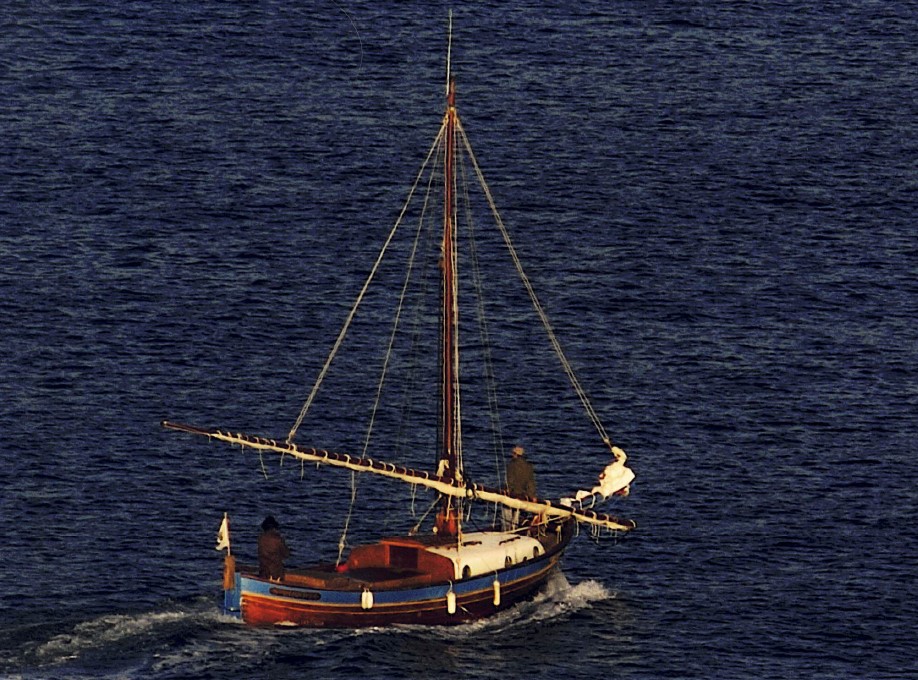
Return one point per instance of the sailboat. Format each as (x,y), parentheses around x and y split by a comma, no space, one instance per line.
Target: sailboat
(452,572)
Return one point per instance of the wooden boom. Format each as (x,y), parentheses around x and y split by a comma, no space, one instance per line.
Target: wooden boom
(443,485)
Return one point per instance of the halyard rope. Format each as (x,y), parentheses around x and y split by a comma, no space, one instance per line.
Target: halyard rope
(350,316)
(581,393)
(382,378)
(568,369)
(398,316)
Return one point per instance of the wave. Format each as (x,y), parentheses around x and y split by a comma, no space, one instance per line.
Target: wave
(557,599)
(194,637)
(112,637)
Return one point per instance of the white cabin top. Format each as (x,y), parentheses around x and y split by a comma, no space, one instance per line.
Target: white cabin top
(481,552)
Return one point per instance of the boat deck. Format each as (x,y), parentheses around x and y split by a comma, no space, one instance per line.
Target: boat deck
(354,579)
(357,574)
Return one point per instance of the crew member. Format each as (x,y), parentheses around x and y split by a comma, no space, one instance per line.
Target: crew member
(272,550)
(520,482)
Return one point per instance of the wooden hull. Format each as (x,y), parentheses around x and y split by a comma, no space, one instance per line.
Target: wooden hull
(340,605)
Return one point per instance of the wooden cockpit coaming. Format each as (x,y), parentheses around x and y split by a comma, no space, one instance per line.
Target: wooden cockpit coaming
(395,563)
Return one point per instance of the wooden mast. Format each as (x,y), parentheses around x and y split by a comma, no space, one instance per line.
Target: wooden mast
(450,442)
(447,519)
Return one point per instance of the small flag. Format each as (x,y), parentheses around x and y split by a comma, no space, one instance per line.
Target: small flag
(223,534)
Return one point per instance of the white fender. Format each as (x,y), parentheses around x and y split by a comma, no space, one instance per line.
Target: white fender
(451,601)
(496,591)
(366,599)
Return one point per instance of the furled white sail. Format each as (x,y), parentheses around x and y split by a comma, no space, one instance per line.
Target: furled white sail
(456,488)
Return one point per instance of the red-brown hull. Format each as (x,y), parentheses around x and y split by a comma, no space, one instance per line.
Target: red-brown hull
(265,603)
(262,611)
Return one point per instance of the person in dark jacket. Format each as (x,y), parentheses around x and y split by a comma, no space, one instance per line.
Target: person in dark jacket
(520,482)
(520,475)
(272,550)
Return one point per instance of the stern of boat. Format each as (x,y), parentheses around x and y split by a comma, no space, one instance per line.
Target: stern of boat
(232,588)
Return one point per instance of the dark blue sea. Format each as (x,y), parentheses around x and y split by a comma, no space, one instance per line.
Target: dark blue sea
(716,203)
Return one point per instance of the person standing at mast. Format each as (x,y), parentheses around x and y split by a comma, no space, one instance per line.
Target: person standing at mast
(520,482)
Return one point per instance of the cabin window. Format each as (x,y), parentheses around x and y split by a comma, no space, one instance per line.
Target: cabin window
(535,552)
(466,571)
(508,561)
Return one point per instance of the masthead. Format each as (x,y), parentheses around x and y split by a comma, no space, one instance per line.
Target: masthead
(449,50)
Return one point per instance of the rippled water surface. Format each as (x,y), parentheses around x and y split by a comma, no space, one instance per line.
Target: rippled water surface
(715,202)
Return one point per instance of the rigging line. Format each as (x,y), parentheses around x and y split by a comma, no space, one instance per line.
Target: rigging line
(366,285)
(354,26)
(417,527)
(342,542)
(497,441)
(581,393)
(535,301)
(395,325)
(414,352)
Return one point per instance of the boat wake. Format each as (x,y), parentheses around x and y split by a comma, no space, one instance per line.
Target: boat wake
(560,594)
(107,638)
(558,599)
(191,637)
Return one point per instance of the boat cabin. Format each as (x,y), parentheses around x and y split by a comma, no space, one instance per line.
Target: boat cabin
(479,553)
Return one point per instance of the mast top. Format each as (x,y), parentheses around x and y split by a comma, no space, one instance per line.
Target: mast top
(449,52)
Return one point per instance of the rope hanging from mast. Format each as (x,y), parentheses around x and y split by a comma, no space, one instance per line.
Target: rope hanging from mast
(342,542)
(397,321)
(568,369)
(366,285)
(497,441)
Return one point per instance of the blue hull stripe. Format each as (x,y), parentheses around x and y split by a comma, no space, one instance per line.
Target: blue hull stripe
(261,588)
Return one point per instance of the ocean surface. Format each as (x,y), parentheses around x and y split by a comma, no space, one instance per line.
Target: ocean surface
(716,203)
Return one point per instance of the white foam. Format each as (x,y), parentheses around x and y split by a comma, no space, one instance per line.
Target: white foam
(557,598)
(113,629)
